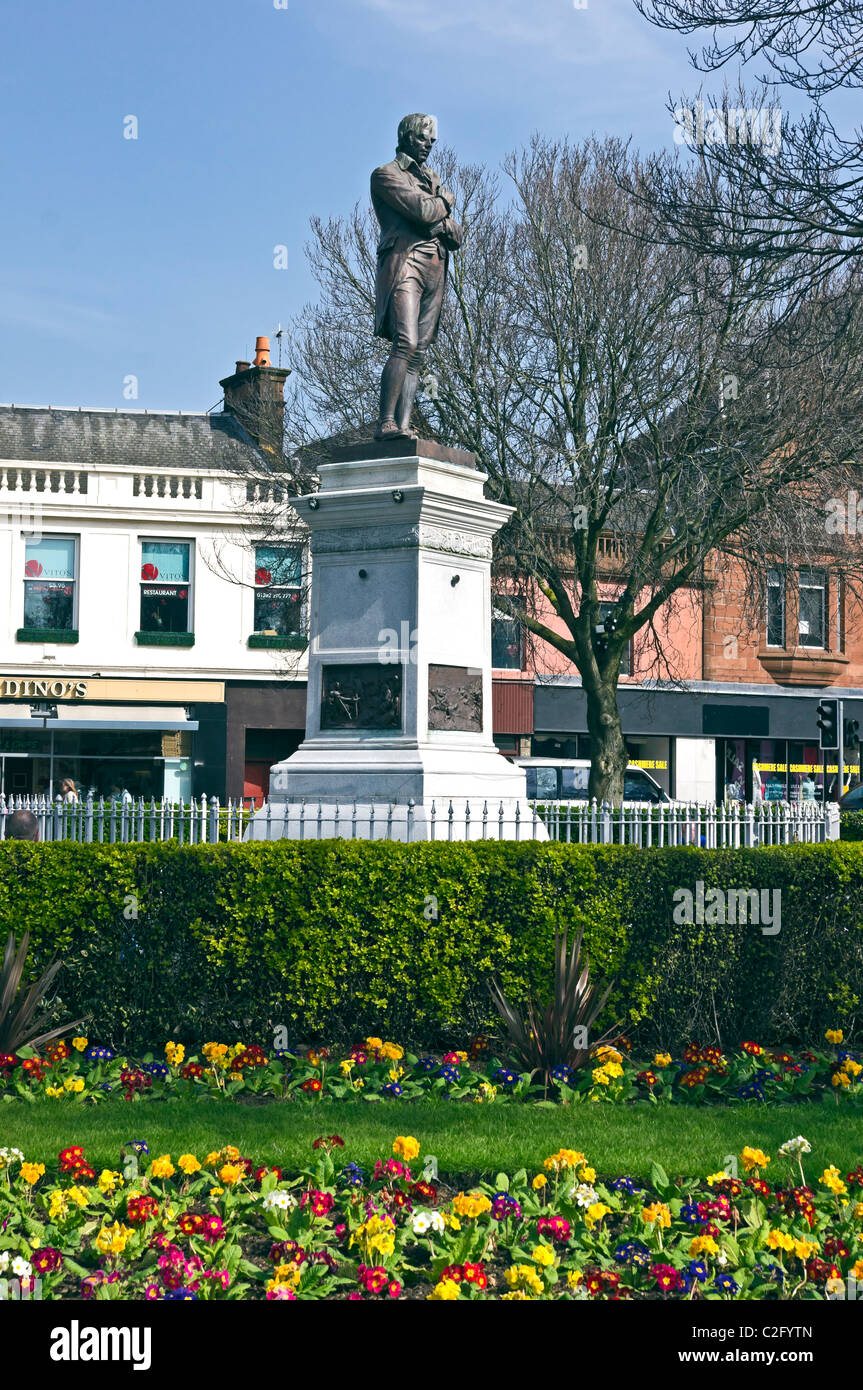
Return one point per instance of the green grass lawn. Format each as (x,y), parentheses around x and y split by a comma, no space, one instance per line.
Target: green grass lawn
(467,1139)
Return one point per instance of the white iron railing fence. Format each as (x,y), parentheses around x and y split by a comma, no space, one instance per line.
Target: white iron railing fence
(206,821)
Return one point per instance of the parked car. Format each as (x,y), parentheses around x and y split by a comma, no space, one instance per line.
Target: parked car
(566,779)
(853,800)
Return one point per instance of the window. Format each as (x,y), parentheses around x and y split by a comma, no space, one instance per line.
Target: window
(541,783)
(605,611)
(574,782)
(840,613)
(775,608)
(49,583)
(278,590)
(813,594)
(166,595)
(506,643)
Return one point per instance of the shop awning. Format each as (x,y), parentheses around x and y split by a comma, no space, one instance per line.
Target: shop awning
(135,718)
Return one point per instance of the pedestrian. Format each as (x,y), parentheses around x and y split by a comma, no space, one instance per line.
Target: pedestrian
(68,790)
(22,825)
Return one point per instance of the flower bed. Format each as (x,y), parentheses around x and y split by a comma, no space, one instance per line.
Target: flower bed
(161,1227)
(82,1072)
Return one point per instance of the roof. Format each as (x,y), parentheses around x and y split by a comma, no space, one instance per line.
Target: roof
(132,438)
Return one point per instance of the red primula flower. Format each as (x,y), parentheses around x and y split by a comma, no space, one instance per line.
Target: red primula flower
(141,1209)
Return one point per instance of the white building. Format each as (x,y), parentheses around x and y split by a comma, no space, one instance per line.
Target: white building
(152,634)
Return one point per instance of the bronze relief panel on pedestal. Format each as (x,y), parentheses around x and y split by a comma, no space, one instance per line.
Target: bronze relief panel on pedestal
(361,696)
(455,699)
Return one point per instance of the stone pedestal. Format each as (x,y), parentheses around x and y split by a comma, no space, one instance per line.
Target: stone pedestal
(399,709)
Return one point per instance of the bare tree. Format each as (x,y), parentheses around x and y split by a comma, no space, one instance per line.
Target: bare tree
(802,185)
(652,414)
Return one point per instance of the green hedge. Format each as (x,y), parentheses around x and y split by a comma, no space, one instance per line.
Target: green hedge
(337,939)
(851,825)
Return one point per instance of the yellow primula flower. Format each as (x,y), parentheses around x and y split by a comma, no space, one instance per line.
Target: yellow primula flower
(162,1167)
(594,1214)
(703,1245)
(754,1158)
(189,1163)
(108,1181)
(54,1091)
(374,1044)
(473,1205)
(657,1212)
(780,1240)
(662,1059)
(841,1078)
(447,1291)
(834,1035)
(574,1278)
(714,1178)
(112,1240)
(79,1044)
(393,1052)
(831,1179)
(32,1172)
(539,1182)
(543,1254)
(805,1249)
(564,1158)
(231,1173)
(523,1277)
(406,1147)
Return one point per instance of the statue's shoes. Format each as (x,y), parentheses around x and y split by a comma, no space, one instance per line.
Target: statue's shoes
(388,429)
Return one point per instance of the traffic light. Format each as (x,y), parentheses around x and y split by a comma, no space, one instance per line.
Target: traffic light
(851,733)
(828,724)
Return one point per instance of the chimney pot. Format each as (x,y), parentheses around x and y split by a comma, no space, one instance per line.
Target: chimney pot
(262,352)
(243,366)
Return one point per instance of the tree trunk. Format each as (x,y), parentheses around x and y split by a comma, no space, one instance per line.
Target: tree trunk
(608,750)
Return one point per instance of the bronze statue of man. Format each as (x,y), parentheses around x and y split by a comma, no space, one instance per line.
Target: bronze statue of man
(417,235)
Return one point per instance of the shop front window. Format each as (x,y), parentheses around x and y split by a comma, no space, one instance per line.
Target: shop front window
(49,583)
(768,757)
(734,777)
(166,594)
(805,772)
(279,590)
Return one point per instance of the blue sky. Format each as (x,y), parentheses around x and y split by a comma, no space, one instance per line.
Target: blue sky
(154,257)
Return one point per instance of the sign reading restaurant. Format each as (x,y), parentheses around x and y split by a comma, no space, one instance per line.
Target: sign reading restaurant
(41,690)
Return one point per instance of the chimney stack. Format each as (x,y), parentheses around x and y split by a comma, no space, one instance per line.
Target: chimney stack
(255,397)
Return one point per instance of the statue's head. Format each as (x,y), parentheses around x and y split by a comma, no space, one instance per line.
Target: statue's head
(417,134)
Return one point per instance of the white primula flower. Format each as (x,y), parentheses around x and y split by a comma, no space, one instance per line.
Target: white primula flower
(8,1156)
(21,1267)
(279,1201)
(583,1195)
(428,1221)
(792,1147)
(4,1259)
